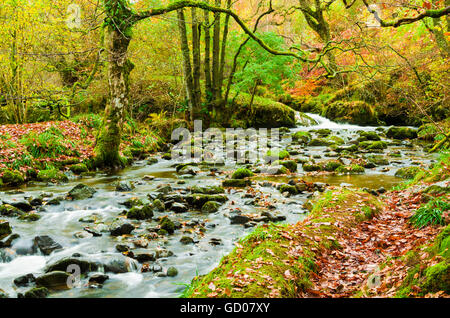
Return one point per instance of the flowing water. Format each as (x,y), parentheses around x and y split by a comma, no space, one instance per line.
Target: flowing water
(61,222)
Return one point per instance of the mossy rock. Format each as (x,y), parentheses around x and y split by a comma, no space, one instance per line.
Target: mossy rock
(378,160)
(264,113)
(292,190)
(302,137)
(9,210)
(437,278)
(79,168)
(30,217)
(309,167)
(208,190)
(236,183)
(140,213)
(351,169)
(320,142)
(167,224)
(274,155)
(53,280)
(198,200)
(407,172)
(331,165)
(12,177)
(335,140)
(373,145)
(401,133)
(291,165)
(305,120)
(52,175)
(158,205)
(369,135)
(5,228)
(353,112)
(242,173)
(37,292)
(210,207)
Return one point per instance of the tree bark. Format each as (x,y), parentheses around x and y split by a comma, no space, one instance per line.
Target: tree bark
(208,81)
(216,56)
(187,69)
(119,68)
(196,60)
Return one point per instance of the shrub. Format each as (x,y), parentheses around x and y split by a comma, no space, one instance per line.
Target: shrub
(49,144)
(430,213)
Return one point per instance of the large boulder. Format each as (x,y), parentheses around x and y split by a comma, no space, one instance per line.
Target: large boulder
(401,133)
(81,192)
(53,280)
(5,228)
(353,112)
(45,244)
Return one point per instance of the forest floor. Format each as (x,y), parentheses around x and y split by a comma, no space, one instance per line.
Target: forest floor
(352,244)
(374,246)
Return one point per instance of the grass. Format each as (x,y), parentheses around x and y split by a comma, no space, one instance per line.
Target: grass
(430,213)
(49,144)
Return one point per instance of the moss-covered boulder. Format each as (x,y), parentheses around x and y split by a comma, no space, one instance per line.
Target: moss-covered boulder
(407,172)
(242,173)
(309,167)
(351,169)
(437,278)
(5,228)
(373,145)
(291,165)
(81,192)
(167,224)
(285,188)
(277,154)
(369,135)
(331,165)
(208,190)
(305,120)
(36,292)
(401,133)
(9,210)
(158,205)
(53,280)
(210,207)
(79,168)
(12,178)
(140,213)
(52,175)
(320,142)
(302,137)
(353,112)
(236,183)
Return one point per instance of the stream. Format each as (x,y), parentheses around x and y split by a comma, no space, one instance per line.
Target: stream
(215,235)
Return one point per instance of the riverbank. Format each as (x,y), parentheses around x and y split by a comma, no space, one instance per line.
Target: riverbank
(352,244)
(53,151)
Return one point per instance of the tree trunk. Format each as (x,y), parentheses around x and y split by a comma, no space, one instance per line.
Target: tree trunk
(216,56)
(208,81)
(196,63)
(108,140)
(223,50)
(187,69)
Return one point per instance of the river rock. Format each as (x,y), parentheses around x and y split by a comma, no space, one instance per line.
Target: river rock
(210,207)
(63,265)
(124,186)
(53,280)
(119,264)
(9,210)
(37,292)
(237,218)
(179,207)
(24,280)
(24,206)
(172,272)
(45,244)
(120,227)
(187,240)
(158,205)
(145,257)
(5,229)
(81,192)
(98,279)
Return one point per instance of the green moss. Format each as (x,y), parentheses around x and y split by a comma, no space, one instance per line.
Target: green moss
(79,168)
(352,169)
(308,167)
(291,165)
(331,165)
(353,112)
(52,175)
(301,137)
(277,154)
(12,177)
(373,145)
(167,224)
(369,135)
(320,142)
(407,172)
(289,189)
(437,278)
(140,213)
(401,133)
(242,173)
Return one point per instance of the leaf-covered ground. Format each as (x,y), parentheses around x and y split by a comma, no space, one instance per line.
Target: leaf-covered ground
(351,245)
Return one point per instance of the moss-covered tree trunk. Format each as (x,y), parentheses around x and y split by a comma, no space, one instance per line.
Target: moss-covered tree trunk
(108,140)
